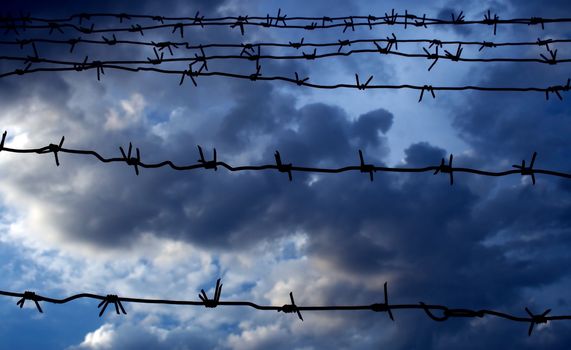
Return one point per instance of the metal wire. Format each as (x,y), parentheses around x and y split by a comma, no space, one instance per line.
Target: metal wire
(430,309)
(130,159)
(281,21)
(188,45)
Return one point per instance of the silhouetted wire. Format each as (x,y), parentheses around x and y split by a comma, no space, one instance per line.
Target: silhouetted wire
(161,45)
(445,312)
(257,76)
(252,56)
(281,21)
(130,159)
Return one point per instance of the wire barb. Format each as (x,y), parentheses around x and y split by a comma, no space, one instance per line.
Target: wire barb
(53,148)
(291,308)
(491,21)
(384,307)
(527,170)
(283,168)
(366,168)
(131,161)
(362,86)
(536,319)
(427,88)
(30,296)
(211,303)
(111,299)
(446,169)
(211,164)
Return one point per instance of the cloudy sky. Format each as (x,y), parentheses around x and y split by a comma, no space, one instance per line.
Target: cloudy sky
(484,243)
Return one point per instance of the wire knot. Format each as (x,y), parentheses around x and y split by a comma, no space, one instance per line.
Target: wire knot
(298,81)
(384,307)
(296,45)
(165,45)
(536,319)
(283,168)
(53,148)
(421,23)
(537,20)
(429,313)
(427,88)
(366,168)
(291,308)
(281,18)
(362,86)
(432,56)
(110,42)
(392,18)
(343,43)
(527,170)
(32,297)
(310,56)
(87,30)
(54,26)
(459,19)
(211,303)
(198,20)
(158,59)
(349,24)
(491,21)
(556,88)
(545,42)
(211,164)
(111,299)
(456,56)
(122,16)
(552,59)
(446,169)
(180,27)
(136,28)
(131,161)
(370,20)
(486,44)
(240,23)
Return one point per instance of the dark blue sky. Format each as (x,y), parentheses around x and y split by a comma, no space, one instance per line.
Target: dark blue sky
(333,239)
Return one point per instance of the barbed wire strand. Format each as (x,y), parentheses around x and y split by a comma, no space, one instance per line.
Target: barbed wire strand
(130,159)
(99,66)
(170,45)
(279,21)
(430,309)
(549,58)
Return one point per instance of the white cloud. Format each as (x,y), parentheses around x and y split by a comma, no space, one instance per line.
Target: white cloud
(131,113)
(100,339)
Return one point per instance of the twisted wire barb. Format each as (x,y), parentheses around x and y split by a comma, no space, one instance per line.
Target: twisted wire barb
(429,309)
(52,25)
(289,168)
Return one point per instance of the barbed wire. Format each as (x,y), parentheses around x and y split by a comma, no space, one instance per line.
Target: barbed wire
(248,53)
(128,157)
(281,21)
(100,67)
(385,306)
(170,45)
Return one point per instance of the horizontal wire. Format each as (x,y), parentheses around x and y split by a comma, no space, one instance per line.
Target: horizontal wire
(308,23)
(384,306)
(130,159)
(187,45)
(99,66)
(303,56)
